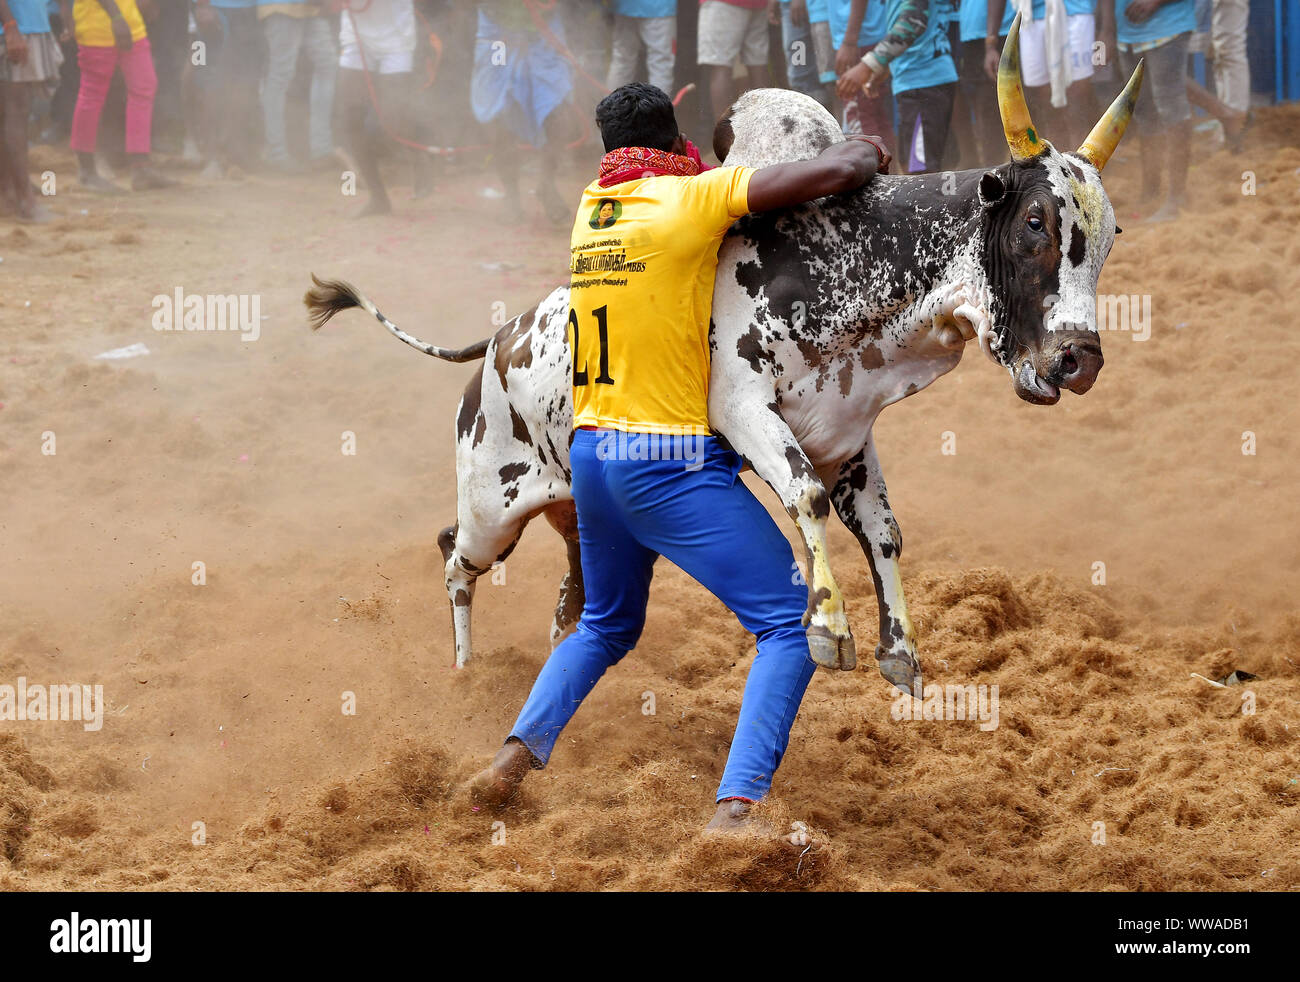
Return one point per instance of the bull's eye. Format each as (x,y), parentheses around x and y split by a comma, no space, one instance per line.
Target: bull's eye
(1035,223)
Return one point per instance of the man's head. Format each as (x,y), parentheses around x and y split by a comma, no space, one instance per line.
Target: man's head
(638,115)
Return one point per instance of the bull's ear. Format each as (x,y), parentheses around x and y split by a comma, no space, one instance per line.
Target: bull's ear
(992,188)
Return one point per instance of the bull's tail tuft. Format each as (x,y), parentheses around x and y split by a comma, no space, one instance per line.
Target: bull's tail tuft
(328,297)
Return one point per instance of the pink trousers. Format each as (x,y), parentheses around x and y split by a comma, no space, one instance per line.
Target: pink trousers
(97,65)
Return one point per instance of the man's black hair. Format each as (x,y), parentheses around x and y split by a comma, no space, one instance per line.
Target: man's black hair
(637,115)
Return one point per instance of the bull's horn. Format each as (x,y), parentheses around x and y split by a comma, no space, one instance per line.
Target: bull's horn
(1022,138)
(1105,136)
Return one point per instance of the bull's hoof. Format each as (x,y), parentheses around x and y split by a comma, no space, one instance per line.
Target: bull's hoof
(828,651)
(901,670)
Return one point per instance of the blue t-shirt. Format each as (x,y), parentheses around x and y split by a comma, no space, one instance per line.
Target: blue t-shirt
(1009,14)
(1171,19)
(928,60)
(646,8)
(31,16)
(817,12)
(972,20)
(873,22)
(233,4)
(1076,7)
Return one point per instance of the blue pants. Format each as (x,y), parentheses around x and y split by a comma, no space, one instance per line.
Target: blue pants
(697,513)
(800,59)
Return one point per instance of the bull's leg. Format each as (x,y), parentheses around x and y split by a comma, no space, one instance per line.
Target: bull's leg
(468,553)
(564,519)
(861,500)
(760,434)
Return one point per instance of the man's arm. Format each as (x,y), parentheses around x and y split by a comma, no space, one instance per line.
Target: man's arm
(15,43)
(840,167)
(1140,11)
(121,30)
(907,27)
(847,56)
(992,39)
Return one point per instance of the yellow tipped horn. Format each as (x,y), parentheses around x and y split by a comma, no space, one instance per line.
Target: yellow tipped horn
(1105,136)
(1022,138)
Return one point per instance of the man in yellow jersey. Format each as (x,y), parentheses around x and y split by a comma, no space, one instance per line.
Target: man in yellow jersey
(648,477)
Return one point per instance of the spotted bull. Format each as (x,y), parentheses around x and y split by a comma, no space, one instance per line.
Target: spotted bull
(823,315)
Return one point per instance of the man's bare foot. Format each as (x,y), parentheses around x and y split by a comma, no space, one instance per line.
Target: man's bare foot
(1167,212)
(33,212)
(145,178)
(500,780)
(95,182)
(376,205)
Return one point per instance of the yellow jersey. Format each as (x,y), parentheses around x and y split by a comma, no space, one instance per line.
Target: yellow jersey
(93,28)
(642,259)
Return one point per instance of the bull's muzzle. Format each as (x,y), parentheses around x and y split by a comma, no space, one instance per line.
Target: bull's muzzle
(1073,362)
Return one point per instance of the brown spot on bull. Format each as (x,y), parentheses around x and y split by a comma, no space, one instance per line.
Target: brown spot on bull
(750,348)
(1076,245)
(479,429)
(870,357)
(513,349)
(519,428)
(462,598)
(845,377)
(469,404)
(447,542)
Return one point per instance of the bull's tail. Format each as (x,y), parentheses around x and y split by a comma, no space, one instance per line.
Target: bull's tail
(328,297)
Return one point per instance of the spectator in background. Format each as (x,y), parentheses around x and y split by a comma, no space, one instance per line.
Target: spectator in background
(800,54)
(819,25)
(111,35)
(167,23)
(520,80)
(729,29)
(857,26)
(1158,31)
(915,51)
(652,23)
(29,57)
(378,40)
(977,94)
(1228,42)
(1058,83)
(227,82)
(290,26)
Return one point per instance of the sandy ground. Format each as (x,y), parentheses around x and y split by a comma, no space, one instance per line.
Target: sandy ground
(224,700)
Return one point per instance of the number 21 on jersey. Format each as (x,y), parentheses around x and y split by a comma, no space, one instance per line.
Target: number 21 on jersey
(601,316)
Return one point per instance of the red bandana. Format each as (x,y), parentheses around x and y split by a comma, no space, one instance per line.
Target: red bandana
(634,163)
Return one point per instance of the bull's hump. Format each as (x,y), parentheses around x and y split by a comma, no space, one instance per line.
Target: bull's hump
(778,126)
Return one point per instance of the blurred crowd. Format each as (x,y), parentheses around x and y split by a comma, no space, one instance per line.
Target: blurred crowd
(233,86)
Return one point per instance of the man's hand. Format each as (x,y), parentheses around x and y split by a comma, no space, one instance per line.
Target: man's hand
(1142,10)
(883,155)
(15,45)
(799,13)
(992,56)
(121,32)
(846,57)
(865,75)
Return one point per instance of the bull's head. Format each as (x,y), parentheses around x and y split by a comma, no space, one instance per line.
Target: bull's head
(1048,227)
